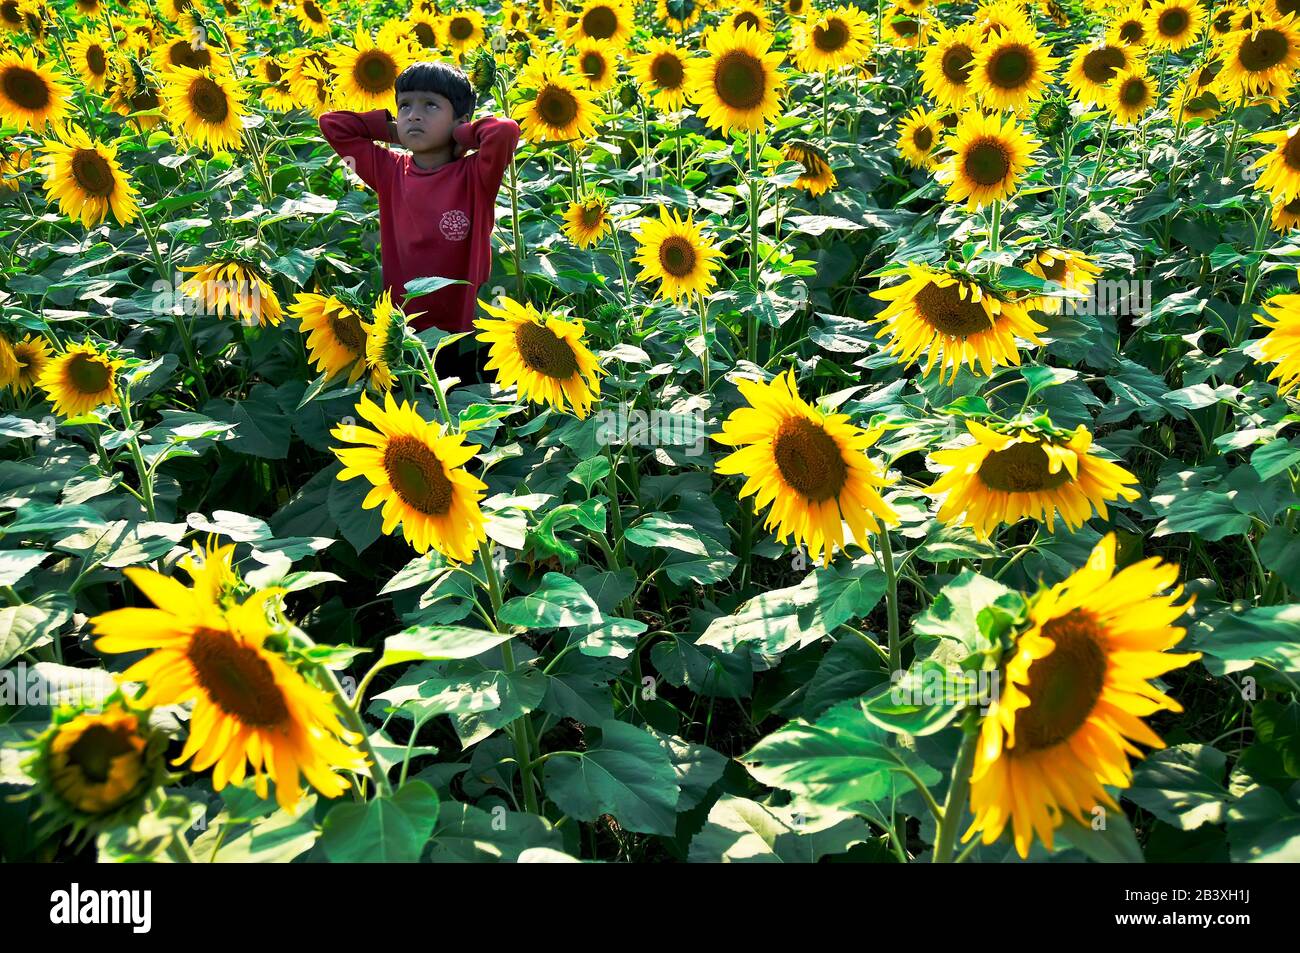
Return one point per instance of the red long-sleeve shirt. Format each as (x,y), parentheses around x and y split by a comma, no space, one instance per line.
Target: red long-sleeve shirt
(431,221)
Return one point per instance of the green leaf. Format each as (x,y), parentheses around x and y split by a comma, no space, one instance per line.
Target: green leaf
(925,699)
(1182,785)
(262,429)
(658,531)
(471,835)
(46,518)
(21,628)
(422,286)
(627,773)
(437,642)
(740,831)
(15,564)
(954,614)
(1269,634)
(359,526)
(1113,843)
(558,602)
(1264,826)
(389,830)
(590,472)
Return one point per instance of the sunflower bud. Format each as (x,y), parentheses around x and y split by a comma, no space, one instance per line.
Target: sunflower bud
(628,95)
(482,73)
(1052,118)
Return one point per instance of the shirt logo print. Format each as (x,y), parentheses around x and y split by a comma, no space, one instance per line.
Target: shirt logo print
(454,225)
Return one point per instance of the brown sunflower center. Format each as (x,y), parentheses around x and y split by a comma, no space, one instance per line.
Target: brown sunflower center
(1173,23)
(313,12)
(1020,468)
(944,309)
(1223,22)
(183,53)
(739,80)
(809,459)
(677,256)
(794,6)
(956,64)
(424,33)
(1131,31)
(93,173)
(1263,50)
(144,100)
(375,71)
(923,138)
(348,331)
(1100,65)
(1055,271)
(10,13)
(88,374)
(26,88)
(237,678)
(208,100)
(273,71)
(667,71)
(746,18)
(1293,206)
(97,748)
(831,37)
(557,106)
(96,62)
(1064,686)
(1133,92)
(592,215)
(1011,67)
(417,476)
(593,65)
(461,28)
(987,162)
(544,352)
(600,23)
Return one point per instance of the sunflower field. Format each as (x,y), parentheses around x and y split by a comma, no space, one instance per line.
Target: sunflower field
(883,454)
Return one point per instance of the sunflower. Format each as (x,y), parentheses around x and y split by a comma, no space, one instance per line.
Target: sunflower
(252,709)
(1263,59)
(365,74)
(794,8)
(1280,177)
(31,355)
(84,177)
(424,30)
(1011,70)
(736,85)
(678,15)
(661,73)
(811,467)
(234,287)
(831,39)
(606,21)
(948,62)
(385,335)
(1129,28)
(313,88)
(1175,24)
(1026,474)
(463,30)
(278,93)
(1286,215)
(903,29)
(989,155)
(1092,68)
(678,254)
(9,367)
(1073,696)
(1067,269)
(558,111)
(587,221)
(818,177)
(11,16)
(80,379)
(131,92)
(313,16)
(336,336)
(31,95)
(206,107)
(182,51)
(418,475)
(1282,343)
(13,163)
(993,16)
(543,355)
(749,13)
(954,321)
(1130,95)
(88,54)
(918,137)
(595,66)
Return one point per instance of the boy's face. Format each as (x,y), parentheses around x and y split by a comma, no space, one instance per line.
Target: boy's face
(425,120)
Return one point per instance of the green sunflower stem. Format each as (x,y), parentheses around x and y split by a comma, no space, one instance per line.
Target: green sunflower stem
(954,804)
(518,248)
(1066,150)
(1101,152)
(143,472)
(752,349)
(178,848)
(891,602)
(434,383)
(187,344)
(703,308)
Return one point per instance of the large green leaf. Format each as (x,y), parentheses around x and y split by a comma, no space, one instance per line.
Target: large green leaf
(559,602)
(389,830)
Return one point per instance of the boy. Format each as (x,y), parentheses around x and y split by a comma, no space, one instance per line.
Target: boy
(436,205)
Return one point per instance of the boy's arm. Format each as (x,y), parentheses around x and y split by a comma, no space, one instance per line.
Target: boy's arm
(495,139)
(353,136)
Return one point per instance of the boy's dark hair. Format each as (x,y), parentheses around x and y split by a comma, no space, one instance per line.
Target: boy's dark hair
(440,78)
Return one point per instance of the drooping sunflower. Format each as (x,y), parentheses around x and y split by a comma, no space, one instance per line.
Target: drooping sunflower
(543,355)
(1280,177)
(1285,215)
(1194,100)
(418,475)
(559,111)
(919,134)
(948,63)
(1093,66)
(989,155)
(904,29)
(462,30)
(313,16)
(31,95)
(234,287)
(810,467)
(595,65)
(953,321)
(31,355)
(832,39)
(206,106)
(385,335)
(336,336)
(1130,28)
(1175,24)
(737,84)
(606,21)
(1132,92)
(587,221)
(678,15)
(83,175)
(1263,59)
(14,161)
(1282,343)
(1003,478)
(678,254)
(1068,269)
(1073,696)
(818,177)
(661,73)
(252,708)
(1011,70)
(365,74)
(131,92)
(80,379)
(89,57)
